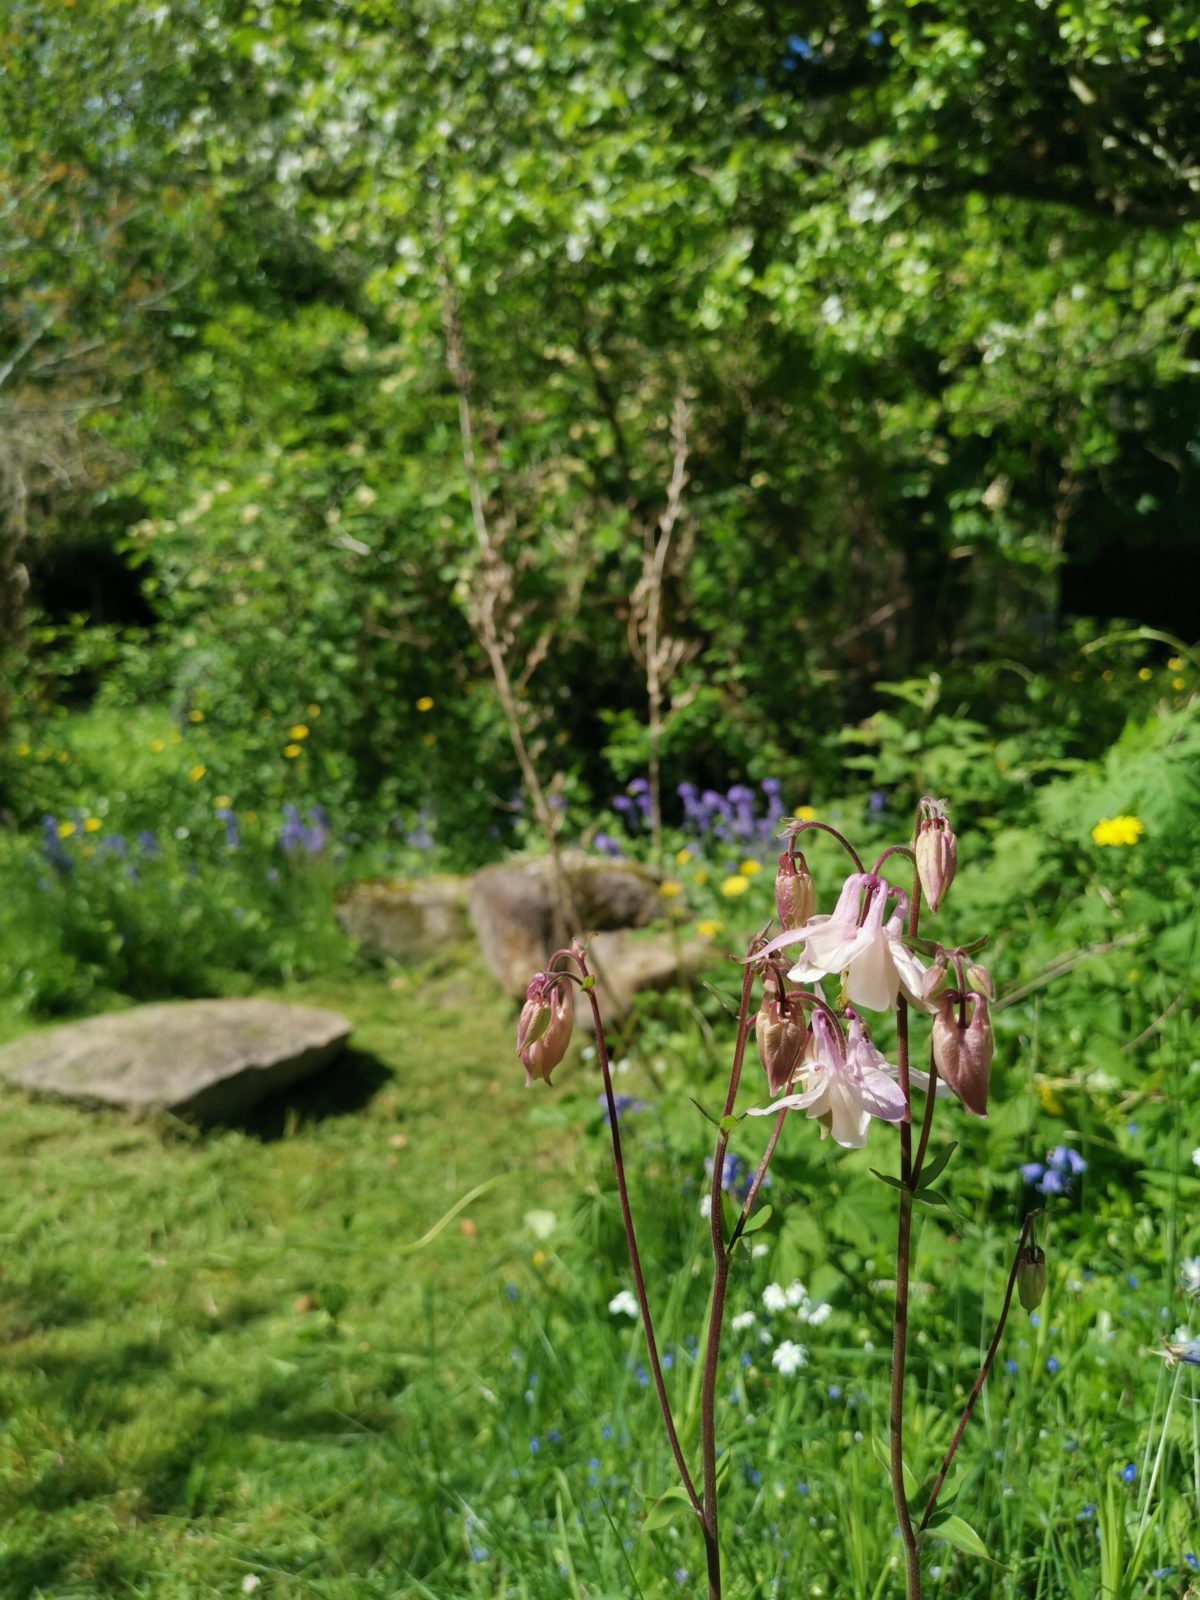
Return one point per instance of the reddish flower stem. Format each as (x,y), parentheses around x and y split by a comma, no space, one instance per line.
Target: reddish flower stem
(823,827)
(639,1282)
(708,1444)
(982,1378)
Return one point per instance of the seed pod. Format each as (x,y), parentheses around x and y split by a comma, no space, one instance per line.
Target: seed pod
(1031,1276)
(963,1055)
(781,1034)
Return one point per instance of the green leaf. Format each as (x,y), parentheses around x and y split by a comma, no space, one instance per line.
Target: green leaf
(884,1457)
(757,1219)
(702,1111)
(932,1170)
(892,1183)
(729,1123)
(960,1534)
(665,1509)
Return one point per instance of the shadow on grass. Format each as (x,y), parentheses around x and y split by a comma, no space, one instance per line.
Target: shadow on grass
(345,1086)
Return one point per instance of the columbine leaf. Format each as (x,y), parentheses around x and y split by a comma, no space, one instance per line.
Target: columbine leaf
(933,1170)
(884,1457)
(665,1509)
(757,1219)
(706,1115)
(960,1534)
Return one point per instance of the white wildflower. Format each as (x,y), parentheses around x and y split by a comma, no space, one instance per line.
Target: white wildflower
(743,1320)
(623,1304)
(789,1357)
(774,1298)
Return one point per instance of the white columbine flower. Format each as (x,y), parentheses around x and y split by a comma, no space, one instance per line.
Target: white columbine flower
(855,940)
(789,1357)
(847,1085)
(623,1304)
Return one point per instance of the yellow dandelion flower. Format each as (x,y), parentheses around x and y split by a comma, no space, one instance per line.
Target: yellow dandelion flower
(682,857)
(312,712)
(1177,684)
(425,703)
(158,746)
(92,825)
(1145,674)
(1175,663)
(65,830)
(669,889)
(734,886)
(700,876)
(197,772)
(291,751)
(709,928)
(222,803)
(749,868)
(1050,1101)
(299,731)
(1118,830)
(806,814)
(23,750)
(196,715)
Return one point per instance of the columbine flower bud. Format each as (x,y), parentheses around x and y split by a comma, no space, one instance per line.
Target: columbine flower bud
(795,894)
(937,855)
(781,1034)
(544,1026)
(937,978)
(1031,1276)
(980,980)
(963,1054)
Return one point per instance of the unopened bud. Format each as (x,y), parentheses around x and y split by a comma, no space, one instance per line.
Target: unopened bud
(1031,1276)
(980,979)
(781,1034)
(795,893)
(963,1054)
(937,978)
(544,1026)
(937,858)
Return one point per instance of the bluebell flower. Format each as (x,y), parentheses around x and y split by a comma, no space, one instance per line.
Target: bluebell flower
(1161,1572)
(1192,1560)
(1010,1365)
(624,1103)
(875,37)
(1052,1364)
(1032,1171)
(554,1436)
(876,802)
(1128,1472)
(799,47)
(607,845)
(1086,1515)
(680,1575)
(834,1392)
(535,1444)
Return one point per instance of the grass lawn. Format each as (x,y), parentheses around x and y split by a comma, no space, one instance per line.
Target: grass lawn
(226,1369)
(219,1362)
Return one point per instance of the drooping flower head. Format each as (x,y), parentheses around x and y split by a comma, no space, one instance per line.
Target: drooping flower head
(794,892)
(963,1048)
(847,1083)
(781,1034)
(544,1026)
(856,940)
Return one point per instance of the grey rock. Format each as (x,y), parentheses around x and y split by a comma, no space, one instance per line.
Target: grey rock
(406,918)
(629,963)
(208,1059)
(512,908)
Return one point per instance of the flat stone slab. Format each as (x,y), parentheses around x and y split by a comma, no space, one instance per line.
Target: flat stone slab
(208,1059)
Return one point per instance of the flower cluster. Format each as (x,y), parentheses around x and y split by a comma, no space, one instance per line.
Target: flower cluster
(1055,1175)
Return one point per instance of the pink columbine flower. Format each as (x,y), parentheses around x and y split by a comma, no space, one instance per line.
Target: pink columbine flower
(544,1026)
(856,940)
(847,1085)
